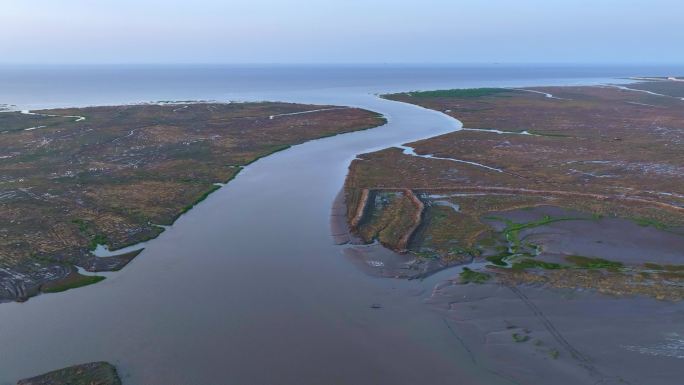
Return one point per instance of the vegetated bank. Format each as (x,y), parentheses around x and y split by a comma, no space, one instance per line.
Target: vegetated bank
(72,179)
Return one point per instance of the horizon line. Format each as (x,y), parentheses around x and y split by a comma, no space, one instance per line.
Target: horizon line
(360,63)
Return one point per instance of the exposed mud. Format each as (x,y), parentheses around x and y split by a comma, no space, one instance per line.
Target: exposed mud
(530,334)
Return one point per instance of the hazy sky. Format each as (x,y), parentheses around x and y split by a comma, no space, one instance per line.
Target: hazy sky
(341,31)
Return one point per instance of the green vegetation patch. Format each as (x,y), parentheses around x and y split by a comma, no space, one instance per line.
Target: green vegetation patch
(549,134)
(71,283)
(202,197)
(672,272)
(512,230)
(98,239)
(593,263)
(655,266)
(459,93)
(471,276)
(82,225)
(499,259)
(646,222)
(529,263)
(517,337)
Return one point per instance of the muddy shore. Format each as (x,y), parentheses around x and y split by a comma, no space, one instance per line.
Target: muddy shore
(529,333)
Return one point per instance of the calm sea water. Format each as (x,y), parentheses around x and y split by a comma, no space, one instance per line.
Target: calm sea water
(248,288)
(39,86)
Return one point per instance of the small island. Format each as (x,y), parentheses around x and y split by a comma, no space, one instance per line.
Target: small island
(92,373)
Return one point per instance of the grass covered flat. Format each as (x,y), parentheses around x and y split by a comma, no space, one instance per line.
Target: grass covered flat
(551,185)
(454,93)
(72,179)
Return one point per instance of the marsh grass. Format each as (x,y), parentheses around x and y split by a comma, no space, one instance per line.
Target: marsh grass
(520,337)
(499,259)
(459,93)
(536,264)
(647,222)
(82,280)
(471,276)
(593,263)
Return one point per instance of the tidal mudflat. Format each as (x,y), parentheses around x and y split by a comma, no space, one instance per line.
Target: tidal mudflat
(569,202)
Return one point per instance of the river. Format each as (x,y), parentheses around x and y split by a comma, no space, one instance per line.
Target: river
(248,287)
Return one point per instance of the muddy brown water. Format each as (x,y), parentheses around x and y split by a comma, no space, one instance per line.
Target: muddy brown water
(249,287)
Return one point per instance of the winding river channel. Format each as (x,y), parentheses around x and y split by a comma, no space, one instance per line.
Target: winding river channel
(248,287)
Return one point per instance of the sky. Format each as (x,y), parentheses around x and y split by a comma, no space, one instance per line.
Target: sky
(341,31)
